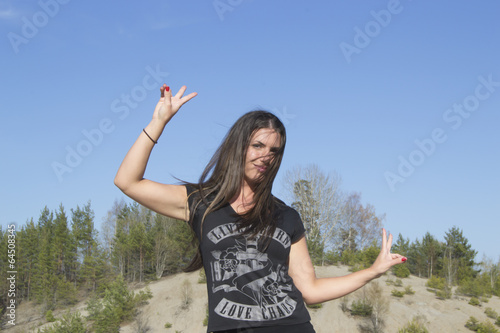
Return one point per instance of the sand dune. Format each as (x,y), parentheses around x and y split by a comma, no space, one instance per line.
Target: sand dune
(439,315)
(166,306)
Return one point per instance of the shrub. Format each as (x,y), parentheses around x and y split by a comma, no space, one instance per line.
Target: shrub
(436,283)
(49,316)
(117,305)
(69,323)
(414,326)
(168,325)
(361,308)
(471,287)
(409,290)
(444,294)
(474,301)
(315,306)
(498,321)
(401,271)
(203,277)
(485,327)
(472,324)
(491,313)
(397,293)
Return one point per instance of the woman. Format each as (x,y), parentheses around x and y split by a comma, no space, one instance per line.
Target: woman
(252,246)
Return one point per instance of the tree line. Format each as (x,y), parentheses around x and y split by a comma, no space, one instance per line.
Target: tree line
(61,258)
(340,229)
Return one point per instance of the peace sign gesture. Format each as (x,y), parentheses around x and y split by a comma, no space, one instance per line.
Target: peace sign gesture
(385,259)
(168,105)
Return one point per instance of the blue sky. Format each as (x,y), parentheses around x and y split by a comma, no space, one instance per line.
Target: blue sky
(400,98)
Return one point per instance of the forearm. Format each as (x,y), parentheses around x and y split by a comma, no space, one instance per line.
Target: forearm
(134,164)
(326,289)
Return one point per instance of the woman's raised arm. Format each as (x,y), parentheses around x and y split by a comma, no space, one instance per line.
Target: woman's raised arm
(169,200)
(320,290)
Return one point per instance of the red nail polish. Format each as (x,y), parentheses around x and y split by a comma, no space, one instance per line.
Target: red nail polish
(167,88)
(403,259)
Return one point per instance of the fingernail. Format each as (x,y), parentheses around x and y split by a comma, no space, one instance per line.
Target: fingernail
(167,88)
(404,259)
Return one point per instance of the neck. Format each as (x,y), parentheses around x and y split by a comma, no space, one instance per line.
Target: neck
(243,201)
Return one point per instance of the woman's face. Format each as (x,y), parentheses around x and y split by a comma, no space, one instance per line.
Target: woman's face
(264,144)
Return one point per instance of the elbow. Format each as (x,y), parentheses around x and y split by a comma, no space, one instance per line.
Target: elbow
(309,300)
(120,183)
(309,297)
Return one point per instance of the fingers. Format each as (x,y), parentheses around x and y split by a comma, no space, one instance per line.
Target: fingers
(163,90)
(384,240)
(188,97)
(180,92)
(389,243)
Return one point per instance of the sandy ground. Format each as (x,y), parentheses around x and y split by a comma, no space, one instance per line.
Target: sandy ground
(166,306)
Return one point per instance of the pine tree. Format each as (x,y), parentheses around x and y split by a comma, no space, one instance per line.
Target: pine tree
(84,236)
(458,257)
(44,268)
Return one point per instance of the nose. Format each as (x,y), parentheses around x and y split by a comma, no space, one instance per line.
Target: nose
(267,156)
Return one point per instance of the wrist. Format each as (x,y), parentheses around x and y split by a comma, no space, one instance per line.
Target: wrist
(372,273)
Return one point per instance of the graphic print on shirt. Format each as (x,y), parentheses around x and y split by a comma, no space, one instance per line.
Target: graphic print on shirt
(242,268)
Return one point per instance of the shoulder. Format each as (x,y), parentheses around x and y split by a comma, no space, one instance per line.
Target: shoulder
(286,211)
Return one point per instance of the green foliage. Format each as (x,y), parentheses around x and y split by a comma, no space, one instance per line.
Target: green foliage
(401,271)
(169,325)
(474,301)
(117,305)
(349,258)
(497,322)
(315,306)
(397,293)
(331,258)
(472,287)
(414,326)
(491,313)
(436,283)
(458,257)
(409,290)
(203,277)
(398,283)
(49,316)
(426,256)
(205,320)
(361,308)
(485,327)
(69,323)
(444,294)
(472,324)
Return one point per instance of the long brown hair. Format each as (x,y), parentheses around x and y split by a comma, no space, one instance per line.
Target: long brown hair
(223,177)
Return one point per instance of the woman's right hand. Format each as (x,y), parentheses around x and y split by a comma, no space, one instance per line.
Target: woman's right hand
(168,105)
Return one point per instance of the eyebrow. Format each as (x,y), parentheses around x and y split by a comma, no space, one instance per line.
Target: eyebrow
(273,149)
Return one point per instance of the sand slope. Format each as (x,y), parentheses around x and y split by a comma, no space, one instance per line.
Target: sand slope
(440,316)
(167,306)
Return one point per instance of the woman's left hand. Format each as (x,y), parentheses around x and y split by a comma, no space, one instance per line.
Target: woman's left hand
(386,259)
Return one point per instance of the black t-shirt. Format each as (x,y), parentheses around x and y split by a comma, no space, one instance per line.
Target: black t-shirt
(246,287)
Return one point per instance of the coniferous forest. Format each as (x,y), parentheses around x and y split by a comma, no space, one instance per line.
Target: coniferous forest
(60,258)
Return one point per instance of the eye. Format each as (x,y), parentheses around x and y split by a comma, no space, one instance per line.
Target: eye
(257,145)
